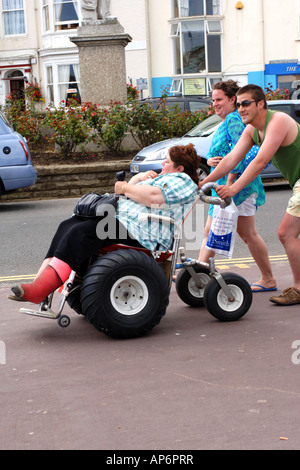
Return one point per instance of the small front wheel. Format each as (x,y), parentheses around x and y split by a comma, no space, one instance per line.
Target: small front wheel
(190,291)
(64,321)
(224,308)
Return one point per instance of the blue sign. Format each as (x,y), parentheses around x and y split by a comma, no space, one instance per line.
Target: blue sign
(283,69)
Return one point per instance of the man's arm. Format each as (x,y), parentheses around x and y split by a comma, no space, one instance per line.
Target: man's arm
(231,160)
(276,134)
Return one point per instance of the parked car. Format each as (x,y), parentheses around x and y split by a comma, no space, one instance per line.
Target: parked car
(185,103)
(150,158)
(16,169)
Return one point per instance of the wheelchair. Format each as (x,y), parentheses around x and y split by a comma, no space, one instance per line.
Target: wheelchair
(125,291)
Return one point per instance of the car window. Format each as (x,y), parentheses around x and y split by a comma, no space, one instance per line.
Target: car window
(3,125)
(205,127)
(285,108)
(175,104)
(197,106)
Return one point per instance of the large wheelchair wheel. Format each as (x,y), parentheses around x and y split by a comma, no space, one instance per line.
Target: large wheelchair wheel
(217,302)
(74,301)
(187,289)
(124,294)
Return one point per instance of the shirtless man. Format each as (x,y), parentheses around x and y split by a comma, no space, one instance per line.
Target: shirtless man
(278,136)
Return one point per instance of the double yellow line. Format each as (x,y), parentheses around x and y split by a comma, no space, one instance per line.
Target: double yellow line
(244,262)
(21,277)
(221,264)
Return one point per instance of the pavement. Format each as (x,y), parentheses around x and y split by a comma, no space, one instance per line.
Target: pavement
(192,384)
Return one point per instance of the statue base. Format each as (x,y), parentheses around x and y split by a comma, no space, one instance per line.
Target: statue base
(101,45)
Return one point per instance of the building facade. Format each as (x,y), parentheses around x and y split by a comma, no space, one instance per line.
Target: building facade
(184,46)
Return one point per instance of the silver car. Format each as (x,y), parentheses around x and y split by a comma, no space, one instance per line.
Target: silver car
(150,158)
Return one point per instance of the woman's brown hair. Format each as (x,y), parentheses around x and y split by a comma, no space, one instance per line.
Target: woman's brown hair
(186,156)
(229,87)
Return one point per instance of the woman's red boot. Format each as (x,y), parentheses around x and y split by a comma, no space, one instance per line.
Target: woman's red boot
(37,290)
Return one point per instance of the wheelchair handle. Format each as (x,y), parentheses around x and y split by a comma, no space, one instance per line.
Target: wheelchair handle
(121,175)
(213,199)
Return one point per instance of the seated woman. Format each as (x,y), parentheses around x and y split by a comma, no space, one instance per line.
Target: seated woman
(77,239)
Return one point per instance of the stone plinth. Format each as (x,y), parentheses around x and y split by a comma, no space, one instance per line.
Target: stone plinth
(101,46)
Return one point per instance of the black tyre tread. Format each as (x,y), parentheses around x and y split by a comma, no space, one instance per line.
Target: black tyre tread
(210,297)
(182,280)
(74,301)
(100,276)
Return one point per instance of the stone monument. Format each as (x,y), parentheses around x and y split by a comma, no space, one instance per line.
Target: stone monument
(101,43)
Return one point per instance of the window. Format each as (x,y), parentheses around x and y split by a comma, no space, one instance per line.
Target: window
(196,46)
(183,8)
(50,91)
(68,83)
(14,17)
(65,14)
(46,22)
(288,81)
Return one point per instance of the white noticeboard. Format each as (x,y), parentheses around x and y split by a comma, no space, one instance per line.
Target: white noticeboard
(142,84)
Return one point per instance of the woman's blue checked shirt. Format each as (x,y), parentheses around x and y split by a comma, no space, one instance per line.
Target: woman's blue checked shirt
(179,192)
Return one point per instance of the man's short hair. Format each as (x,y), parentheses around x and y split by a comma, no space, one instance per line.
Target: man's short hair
(256,92)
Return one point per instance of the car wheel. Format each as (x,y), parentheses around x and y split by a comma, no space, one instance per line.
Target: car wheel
(203,171)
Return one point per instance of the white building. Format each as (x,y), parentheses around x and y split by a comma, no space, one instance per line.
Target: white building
(184,45)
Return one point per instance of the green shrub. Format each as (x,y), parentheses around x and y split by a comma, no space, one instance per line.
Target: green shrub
(68,127)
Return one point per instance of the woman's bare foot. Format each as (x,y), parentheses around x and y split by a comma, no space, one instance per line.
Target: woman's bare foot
(263,286)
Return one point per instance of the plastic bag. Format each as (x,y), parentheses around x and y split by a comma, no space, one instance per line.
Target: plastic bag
(221,237)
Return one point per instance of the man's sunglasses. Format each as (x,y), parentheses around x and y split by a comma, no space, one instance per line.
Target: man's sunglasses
(245,103)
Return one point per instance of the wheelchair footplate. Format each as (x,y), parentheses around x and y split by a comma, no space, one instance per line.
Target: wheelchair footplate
(45,310)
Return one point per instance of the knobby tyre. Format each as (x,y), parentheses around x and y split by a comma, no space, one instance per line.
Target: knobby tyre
(124,294)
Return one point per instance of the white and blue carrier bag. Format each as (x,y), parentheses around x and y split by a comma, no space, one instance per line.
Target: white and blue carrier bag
(221,237)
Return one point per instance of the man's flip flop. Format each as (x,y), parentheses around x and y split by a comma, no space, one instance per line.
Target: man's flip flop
(262,288)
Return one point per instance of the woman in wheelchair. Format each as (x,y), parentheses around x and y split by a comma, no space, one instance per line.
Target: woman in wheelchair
(78,239)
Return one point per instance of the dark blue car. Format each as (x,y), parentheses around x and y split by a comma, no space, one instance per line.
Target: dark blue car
(16,170)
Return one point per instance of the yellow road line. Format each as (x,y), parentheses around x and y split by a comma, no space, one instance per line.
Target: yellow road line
(18,278)
(222,264)
(240,261)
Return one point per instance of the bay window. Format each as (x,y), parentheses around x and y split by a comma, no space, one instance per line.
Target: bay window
(68,83)
(46,18)
(66,14)
(50,90)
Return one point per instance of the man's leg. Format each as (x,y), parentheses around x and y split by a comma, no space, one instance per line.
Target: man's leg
(288,234)
(258,249)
